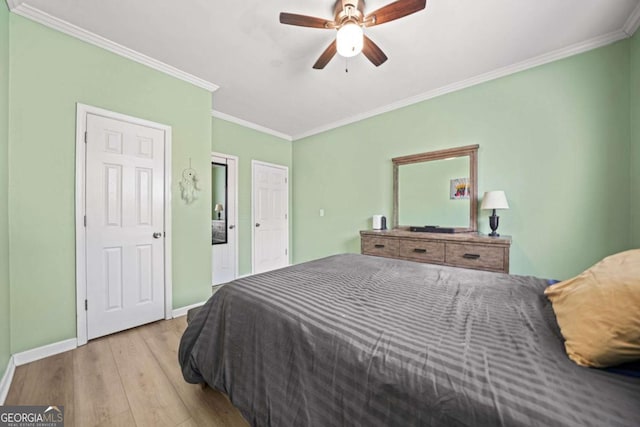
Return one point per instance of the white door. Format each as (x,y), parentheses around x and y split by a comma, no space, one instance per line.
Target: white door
(223,222)
(270,216)
(124,225)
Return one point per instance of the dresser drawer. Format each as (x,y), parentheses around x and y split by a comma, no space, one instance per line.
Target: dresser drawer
(380,246)
(422,250)
(475,256)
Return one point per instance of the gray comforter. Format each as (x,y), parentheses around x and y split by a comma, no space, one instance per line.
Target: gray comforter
(352,340)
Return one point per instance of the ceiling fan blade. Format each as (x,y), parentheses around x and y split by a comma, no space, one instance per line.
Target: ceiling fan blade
(305,21)
(373,52)
(393,11)
(326,56)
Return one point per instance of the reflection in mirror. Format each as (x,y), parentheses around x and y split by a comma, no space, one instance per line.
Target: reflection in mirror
(433,193)
(437,188)
(219,203)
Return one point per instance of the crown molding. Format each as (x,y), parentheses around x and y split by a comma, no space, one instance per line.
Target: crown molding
(250,125)
(632,24)
(20,8)
(34,14)
(482,78)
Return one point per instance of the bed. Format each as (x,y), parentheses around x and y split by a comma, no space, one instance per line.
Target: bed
(366,341)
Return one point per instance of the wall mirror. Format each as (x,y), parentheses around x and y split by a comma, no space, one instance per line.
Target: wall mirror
(219,203)
(438,188)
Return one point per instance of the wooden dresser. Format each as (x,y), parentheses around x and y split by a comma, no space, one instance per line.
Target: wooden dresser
(468,250)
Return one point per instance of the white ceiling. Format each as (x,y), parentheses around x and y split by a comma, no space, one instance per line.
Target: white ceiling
(263,68)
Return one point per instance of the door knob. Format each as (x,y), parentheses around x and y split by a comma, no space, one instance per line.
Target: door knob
(157,235)
(257,224)
(231,227)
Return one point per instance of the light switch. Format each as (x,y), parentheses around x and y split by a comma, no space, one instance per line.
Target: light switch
(321,212)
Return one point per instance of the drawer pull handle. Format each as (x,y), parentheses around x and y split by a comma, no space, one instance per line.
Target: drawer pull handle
(420,251)
(471,256)
(379,246)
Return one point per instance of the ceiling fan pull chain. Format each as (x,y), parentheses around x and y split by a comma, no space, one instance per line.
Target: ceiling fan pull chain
(346,65)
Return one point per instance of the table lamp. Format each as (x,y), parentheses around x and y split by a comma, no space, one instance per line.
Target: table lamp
(494,200)
(218,208)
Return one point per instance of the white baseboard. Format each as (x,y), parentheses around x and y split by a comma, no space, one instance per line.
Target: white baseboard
(44,351)
(5,382)
(182,311)
(32,355)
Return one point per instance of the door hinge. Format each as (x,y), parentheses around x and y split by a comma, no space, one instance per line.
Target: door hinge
(85,220)
(86,305)
(286,180)
(286,216)
(85,137)
(286,251)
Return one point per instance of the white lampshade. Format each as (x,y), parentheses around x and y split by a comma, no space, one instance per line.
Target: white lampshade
(494,200)
(349,39)
(218,207)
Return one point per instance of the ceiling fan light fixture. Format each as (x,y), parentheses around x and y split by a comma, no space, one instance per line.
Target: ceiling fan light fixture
(350,19)
(350,39)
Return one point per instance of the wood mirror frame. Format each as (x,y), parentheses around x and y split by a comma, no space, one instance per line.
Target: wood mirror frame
(469,150)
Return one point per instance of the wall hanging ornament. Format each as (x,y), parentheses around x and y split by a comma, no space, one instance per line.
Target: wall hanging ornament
(189,184)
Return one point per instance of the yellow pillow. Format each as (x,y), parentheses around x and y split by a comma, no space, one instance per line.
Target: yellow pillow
(599,311)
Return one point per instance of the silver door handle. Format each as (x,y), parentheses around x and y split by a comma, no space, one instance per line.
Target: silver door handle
(157,235)
(257,224)
(231,227)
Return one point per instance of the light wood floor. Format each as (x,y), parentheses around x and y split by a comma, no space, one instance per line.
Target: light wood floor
(127,379)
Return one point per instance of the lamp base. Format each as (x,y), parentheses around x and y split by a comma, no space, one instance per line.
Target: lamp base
(493,223)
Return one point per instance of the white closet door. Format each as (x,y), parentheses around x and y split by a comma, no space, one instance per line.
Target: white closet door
(125,220)
(270,217)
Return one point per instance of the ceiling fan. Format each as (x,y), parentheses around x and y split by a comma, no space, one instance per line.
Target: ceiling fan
(349,21)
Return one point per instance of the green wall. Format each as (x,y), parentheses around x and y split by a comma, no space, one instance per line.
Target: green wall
(50,73)
(248,144)
(5,350)
(635,138)
(555,138)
